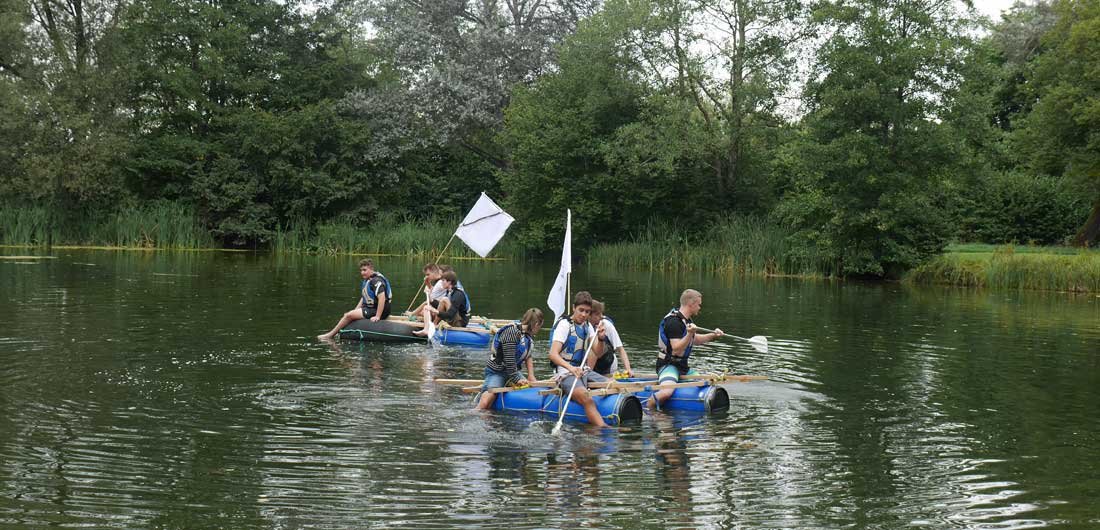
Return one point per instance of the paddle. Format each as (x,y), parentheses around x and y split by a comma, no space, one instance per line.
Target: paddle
(565,404)
(416,295)
(429,325)
(758,340)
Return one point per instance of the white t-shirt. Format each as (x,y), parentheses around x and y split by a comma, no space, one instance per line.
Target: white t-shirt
(437,291)
(561,334)
(612,334)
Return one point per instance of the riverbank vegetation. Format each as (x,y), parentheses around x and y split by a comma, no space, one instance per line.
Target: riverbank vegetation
(1009,267)
(682,134)
(749,246)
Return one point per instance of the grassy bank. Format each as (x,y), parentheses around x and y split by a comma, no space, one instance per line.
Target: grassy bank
(158,225)
(1007,267)
(174,226)
(748,246)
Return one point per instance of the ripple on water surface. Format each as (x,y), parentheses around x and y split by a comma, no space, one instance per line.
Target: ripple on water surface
(883,409)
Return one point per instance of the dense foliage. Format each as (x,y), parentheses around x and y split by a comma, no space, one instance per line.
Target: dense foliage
(869,132)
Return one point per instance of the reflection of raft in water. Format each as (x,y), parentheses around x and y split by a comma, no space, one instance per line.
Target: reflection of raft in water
(397,329)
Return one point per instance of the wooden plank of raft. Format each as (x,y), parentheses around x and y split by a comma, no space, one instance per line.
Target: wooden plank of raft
(496,390)
(420,325)
(476,319)
(601,389)
(714,378)
(642,385)
(468,382)
(456,381)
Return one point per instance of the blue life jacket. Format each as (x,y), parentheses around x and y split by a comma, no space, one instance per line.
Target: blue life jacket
(469,303)
(664,343)
(370,299)
(523,348)
(575,344)
(466,312)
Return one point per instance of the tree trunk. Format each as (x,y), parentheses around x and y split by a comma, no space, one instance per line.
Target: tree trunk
(1086,236)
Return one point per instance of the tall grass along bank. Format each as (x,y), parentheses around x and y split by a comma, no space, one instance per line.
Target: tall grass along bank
(158,225)
(1059,269)
(744,245)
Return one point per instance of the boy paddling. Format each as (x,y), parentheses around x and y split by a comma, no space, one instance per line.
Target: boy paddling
(374,301)
(571,337)
(676,335)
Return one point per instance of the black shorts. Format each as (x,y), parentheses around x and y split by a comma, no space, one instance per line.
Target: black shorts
(459,321)
(434,303)
(368,312)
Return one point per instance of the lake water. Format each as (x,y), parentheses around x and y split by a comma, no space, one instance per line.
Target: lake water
(186,390)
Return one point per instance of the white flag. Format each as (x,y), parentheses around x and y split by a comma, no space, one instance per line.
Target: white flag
(556,301)
(484,226)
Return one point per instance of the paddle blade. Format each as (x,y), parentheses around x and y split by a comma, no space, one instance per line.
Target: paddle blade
(430,327)
(759,343)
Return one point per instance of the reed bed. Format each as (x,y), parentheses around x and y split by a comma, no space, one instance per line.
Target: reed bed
(158,225)
(743,245)
(1068,270)
(24,225)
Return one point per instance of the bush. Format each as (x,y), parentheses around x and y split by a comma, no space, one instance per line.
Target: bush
(1020,208)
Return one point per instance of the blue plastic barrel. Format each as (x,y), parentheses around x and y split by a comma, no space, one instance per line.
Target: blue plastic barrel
(614,408)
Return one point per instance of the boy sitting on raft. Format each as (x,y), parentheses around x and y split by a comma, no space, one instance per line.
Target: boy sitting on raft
(374,301)
(433,287)
(512,348)
(453,308)
(605,364)
(570,339)
(675,337)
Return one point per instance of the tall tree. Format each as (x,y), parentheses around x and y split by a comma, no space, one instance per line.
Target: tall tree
(732,61)
(1061,135)
(559,131)
(236,106)
(454,63)
(869,172)
(56,65)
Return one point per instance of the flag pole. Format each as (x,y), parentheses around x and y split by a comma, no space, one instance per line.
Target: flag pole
(437,258)
(569,275)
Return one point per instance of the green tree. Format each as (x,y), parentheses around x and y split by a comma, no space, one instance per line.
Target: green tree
(451,66)
(557,132)
(1061,134)
(236,108)
(62,133)
(868,172)
(728,63)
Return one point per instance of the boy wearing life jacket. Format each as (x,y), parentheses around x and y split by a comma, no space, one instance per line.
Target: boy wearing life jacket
(676,336)
(374,300)
(455,307)
(569,341)
(512,348)
(606,364)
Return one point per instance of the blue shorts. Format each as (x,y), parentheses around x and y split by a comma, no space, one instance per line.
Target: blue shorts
(493,379)
(671,374)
